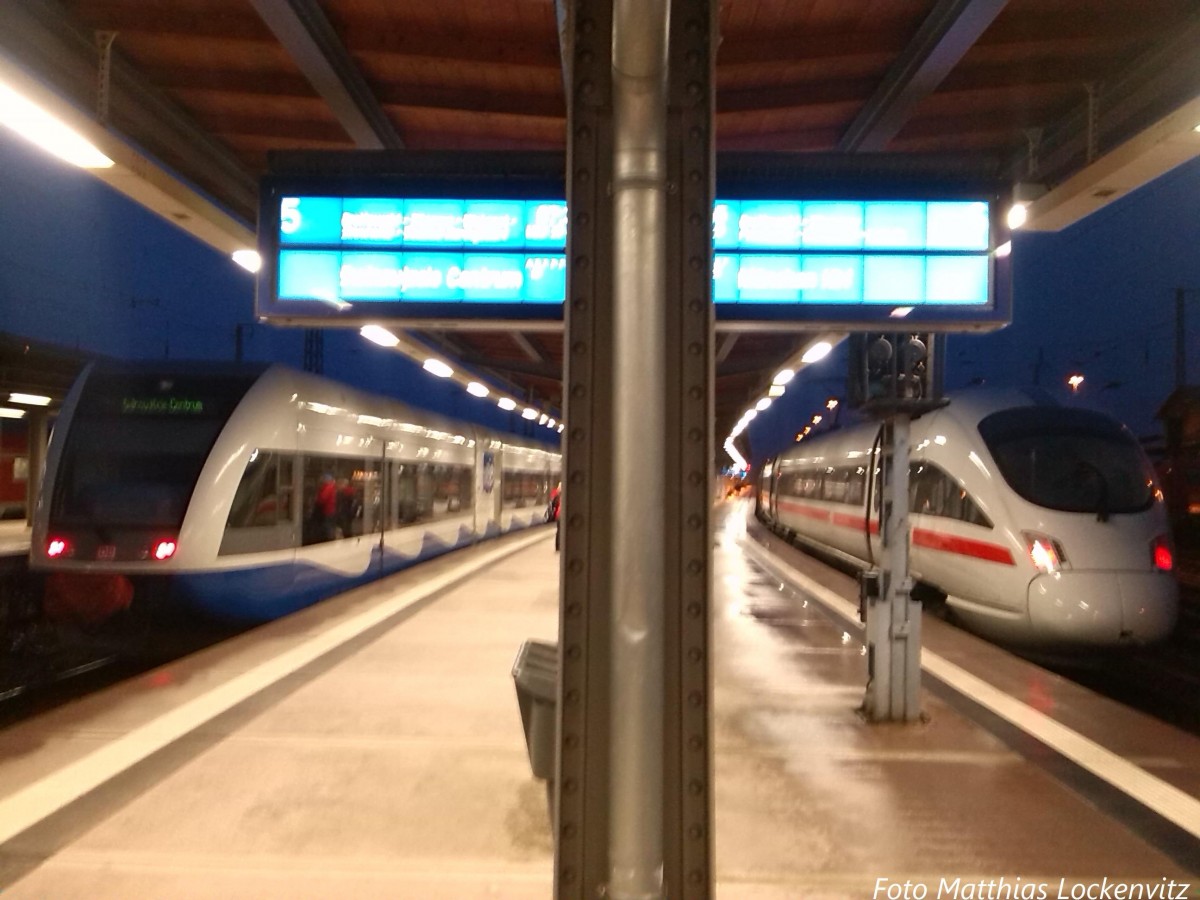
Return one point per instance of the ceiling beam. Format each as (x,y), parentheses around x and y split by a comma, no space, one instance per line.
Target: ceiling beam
(527,347)
(945,36)
(305,32)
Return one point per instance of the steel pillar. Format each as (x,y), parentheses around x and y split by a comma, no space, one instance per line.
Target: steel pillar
(637,457)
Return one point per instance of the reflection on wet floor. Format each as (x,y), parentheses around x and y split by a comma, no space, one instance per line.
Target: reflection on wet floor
(808,793)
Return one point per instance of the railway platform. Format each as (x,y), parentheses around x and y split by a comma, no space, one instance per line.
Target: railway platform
(371,746)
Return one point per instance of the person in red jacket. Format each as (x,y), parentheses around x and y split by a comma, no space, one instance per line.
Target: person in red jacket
(324,509)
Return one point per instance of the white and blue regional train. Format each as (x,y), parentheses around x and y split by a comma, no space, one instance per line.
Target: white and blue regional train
(1040,526)
(249,492)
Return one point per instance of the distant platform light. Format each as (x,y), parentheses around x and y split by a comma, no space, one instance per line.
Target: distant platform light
(1075,381)
(1018,215)
(762,404)
(776,390)
(817,352)
(831,403)
(506,403)
(543,419)
(437,367)
(551,423)
(749,415)
(377,334)
(561,426)
(783,376)
(900,312)
(475,389)
(529,413)
(49,132)
(29,399)
(248,259)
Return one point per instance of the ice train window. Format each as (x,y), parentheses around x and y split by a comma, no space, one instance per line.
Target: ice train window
(1071,460)
(933,492)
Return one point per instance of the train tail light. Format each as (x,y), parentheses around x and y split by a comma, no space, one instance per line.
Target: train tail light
(57,548)
(1160,554)
(1045,552)
(164,549)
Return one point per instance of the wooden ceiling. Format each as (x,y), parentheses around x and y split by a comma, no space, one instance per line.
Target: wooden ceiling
(210,87)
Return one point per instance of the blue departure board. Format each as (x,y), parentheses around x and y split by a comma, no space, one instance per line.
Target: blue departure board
(366,258)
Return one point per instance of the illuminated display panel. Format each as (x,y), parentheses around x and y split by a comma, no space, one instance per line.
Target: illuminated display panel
(351,259)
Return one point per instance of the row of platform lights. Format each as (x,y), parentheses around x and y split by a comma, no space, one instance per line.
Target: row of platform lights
(814,353)
(441,369)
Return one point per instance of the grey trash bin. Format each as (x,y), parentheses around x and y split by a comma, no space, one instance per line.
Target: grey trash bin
(535,673)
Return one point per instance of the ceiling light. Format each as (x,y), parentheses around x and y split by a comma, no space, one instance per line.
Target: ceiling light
(50,133)
(817,352)
(1004,250)
(1018,214)
(476,389)
(783,376)
(7,412)
(29,399)
(749,415)
(543,419)
(506,403)
(776,390)
(529,413)
(551,423)
(560,427)
(437,367)
(379,335)
(248,259)
(900,312)
(762,404)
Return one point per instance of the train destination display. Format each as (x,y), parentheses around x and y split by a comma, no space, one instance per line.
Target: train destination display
(501,258)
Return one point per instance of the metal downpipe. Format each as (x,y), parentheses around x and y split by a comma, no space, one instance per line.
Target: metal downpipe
(639,81)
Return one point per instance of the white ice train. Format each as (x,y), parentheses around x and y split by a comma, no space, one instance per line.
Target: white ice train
(252,491)
(1039,525)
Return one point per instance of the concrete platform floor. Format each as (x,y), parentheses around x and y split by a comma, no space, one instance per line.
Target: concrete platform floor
(289,764)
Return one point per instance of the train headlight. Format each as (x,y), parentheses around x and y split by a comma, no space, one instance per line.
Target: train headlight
(164,549)
(1160,554)
(1045,552)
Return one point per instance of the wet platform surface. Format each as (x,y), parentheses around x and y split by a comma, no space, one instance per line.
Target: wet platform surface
(371,747)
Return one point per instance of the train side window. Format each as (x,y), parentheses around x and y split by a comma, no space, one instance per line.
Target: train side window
(404,508)
(932,492)
(856,489)
(260,517)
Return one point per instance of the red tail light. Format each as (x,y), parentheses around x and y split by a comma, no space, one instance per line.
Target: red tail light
(56,547)
(164,550)
(1160,553)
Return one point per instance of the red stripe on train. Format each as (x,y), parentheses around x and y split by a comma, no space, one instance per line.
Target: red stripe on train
(800,509)
(922,537)
(935,540)
(855,522)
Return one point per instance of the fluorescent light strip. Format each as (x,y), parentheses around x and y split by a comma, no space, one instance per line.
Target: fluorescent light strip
(50,133)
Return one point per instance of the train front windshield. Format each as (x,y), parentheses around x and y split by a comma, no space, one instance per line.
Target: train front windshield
(1071,460)
(136,445)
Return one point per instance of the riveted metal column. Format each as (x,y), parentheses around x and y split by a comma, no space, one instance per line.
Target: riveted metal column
(688,800)
(587,861)
(581,788)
